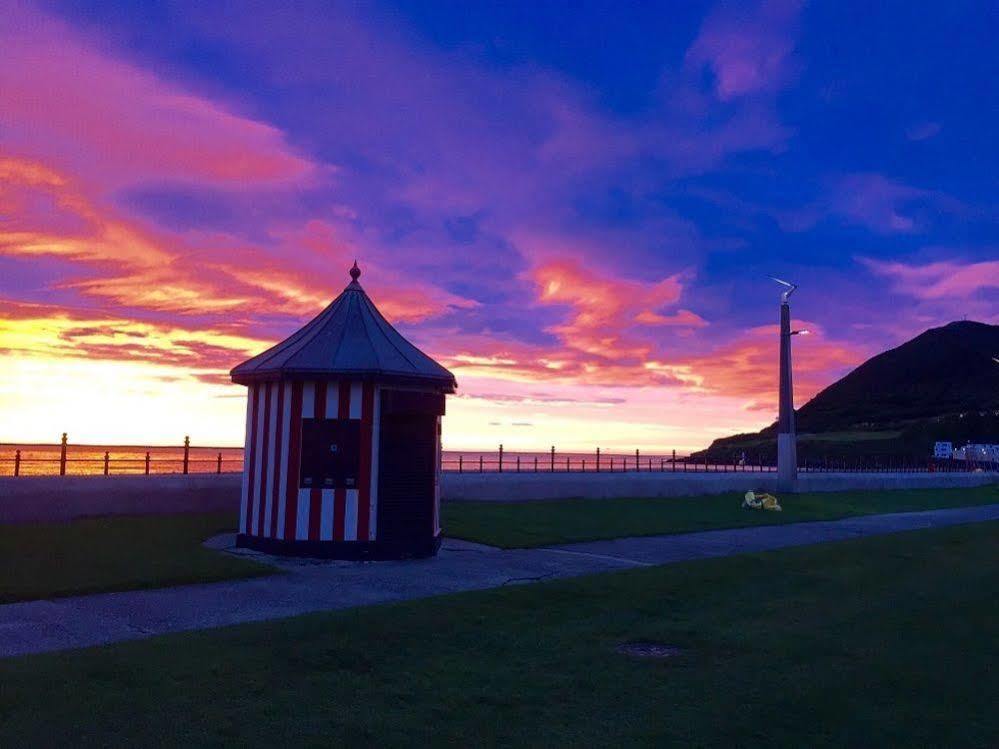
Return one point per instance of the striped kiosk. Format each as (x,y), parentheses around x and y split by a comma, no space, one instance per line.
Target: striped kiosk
(343,424)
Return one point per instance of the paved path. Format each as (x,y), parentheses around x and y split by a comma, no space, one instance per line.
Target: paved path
(306,586)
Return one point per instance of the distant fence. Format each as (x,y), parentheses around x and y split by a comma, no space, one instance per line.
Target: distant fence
(552,461)
(64,458)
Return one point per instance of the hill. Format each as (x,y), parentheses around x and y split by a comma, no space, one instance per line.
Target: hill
(941,385)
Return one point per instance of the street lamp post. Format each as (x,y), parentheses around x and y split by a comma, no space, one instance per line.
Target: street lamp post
(787,449)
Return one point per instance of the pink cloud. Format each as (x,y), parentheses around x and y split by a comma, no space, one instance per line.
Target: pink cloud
(66,99)
(945,279)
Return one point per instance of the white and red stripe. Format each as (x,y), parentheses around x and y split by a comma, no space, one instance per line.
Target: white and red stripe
(247,451)
(281,450)
(273,504)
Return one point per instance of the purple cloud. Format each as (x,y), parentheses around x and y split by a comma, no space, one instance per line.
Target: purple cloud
(749,50)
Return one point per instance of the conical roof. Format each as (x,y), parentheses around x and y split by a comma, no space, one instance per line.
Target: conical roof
(349,338)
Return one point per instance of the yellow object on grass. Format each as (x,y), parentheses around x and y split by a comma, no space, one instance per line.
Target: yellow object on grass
(761,501)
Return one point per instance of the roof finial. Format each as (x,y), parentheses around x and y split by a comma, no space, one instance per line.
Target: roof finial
(355,272)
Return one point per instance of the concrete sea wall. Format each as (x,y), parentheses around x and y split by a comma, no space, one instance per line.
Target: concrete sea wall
(62,498)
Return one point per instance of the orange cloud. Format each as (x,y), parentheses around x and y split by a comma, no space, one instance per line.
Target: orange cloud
(137,266)
(744,369)
(747,367)
(149,269)
(606,309)
(297,289)
(45,331)
(481,356)
(683,318)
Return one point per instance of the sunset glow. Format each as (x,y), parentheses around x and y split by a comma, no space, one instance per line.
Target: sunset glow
(583,238)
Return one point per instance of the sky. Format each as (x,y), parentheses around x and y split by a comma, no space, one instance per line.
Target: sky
(575,206)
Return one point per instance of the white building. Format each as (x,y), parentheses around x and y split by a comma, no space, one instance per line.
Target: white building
(979,453)
(943,450)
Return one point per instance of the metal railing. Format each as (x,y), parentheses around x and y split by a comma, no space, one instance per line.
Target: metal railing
(64,458)
(552,461)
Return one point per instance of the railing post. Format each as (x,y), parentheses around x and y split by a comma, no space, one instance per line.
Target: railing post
(218,464)
(107,461)
(460,464)
(638,466)
(187,453)
(147,462)
(518,464)
(62,456)
(17,464)
(612,464)
(501,458)
(553,459)
(480,462)
(535,463)
(674,461)
(598,460)
(567,466)
(584,465)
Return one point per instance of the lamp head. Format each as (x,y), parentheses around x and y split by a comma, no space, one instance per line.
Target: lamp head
(790,289)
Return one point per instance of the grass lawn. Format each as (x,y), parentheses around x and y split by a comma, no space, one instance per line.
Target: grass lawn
(888,641)
(114,553)
(526,524)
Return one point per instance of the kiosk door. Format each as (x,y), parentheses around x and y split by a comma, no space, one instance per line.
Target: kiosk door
(407,468)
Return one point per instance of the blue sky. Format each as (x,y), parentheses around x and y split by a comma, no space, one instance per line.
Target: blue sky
(567,203)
